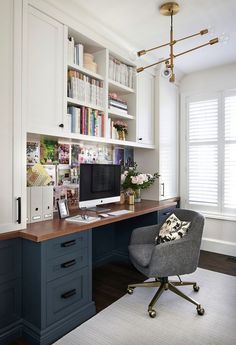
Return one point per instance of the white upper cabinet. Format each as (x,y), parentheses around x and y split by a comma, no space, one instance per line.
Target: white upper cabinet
(79,88)
(165,157)
(45,74)
(168,139)
(12,137)
(145,108)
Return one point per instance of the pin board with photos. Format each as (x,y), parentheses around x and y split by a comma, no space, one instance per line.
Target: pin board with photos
(61,161)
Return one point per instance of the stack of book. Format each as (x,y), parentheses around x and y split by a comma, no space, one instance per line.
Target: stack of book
(87,121)
(75,52)
(121,72)
(116,102)
(85,88)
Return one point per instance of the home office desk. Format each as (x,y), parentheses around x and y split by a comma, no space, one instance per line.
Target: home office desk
(55,260)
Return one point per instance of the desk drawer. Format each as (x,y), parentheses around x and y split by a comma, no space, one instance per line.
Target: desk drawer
(66,295)
(62,265)
(66,244)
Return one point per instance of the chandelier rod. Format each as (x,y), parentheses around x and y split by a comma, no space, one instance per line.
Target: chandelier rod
(211,42)
(144,51)
(172,77)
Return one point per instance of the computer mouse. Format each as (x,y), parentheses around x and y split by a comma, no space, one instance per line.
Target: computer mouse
(103,215)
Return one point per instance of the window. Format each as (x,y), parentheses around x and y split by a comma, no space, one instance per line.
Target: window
(211,153)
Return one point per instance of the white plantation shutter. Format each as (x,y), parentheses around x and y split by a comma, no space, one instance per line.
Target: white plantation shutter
(203,152)
(211,153)
(203,175)
(230,153)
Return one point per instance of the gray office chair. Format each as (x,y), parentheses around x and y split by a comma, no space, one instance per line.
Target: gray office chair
(167,259)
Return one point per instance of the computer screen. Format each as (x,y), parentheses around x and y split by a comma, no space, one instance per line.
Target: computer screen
(99,184)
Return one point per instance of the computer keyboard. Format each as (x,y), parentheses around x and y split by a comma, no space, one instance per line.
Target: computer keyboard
(79,219)
(119,213)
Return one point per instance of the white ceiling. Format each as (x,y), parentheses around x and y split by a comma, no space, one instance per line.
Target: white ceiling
(140,24)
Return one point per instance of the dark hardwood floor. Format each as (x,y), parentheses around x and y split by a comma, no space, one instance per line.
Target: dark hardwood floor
(110,281)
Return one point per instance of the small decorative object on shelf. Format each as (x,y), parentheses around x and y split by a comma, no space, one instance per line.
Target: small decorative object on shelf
(121,127)
(135,181)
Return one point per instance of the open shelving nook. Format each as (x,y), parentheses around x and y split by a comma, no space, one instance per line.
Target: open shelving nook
(99,73)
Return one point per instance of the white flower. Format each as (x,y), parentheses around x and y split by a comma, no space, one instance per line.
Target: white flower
(135,179)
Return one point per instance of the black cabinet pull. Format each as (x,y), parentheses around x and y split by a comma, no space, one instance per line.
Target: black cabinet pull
(68,244)
(61,125)
(68,263)
(140,138)
(19,210)
(68,294)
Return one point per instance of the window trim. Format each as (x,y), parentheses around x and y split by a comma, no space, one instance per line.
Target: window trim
(221,213)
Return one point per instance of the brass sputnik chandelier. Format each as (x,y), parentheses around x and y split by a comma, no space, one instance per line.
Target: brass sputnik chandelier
(170,9)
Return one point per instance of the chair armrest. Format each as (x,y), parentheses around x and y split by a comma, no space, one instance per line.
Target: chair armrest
(145,234)
(175,257)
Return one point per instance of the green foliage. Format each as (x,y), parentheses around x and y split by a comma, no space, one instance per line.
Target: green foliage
(133,179)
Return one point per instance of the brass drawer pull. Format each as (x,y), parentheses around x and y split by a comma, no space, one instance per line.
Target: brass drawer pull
(68,294)
(68,263)
(68,244)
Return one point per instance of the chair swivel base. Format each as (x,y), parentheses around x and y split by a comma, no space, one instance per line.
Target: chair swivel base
(164,284)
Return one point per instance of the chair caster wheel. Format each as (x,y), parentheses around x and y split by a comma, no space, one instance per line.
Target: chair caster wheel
(200,310)
(196,287)
(130,291)
(152,313)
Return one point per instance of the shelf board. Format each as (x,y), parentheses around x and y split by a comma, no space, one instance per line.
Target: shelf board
(87,137)
(129,143)
(85,71)
(119,114)
(114,86)
(84,104)
(74,137)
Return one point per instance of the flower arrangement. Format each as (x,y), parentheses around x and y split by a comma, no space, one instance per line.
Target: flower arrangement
(132,179)
(121,126)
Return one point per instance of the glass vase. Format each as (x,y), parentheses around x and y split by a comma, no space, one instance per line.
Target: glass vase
(137,195)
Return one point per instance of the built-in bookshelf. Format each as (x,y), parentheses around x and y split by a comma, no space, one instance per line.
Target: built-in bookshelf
(101,90)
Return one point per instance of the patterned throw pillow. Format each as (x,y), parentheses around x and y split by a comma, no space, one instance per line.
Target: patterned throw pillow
(172,229)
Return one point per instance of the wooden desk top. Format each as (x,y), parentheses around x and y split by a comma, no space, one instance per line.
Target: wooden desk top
(49,229)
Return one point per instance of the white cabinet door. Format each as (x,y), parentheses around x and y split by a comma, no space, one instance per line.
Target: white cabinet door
(12,136)
(45,73)
(168,139)
(145,108)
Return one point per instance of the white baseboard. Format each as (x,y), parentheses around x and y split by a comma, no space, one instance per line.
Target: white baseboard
(217,246)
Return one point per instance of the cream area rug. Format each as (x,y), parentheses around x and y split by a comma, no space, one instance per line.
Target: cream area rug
(126,322)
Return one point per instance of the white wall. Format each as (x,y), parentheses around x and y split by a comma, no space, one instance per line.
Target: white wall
(219,235)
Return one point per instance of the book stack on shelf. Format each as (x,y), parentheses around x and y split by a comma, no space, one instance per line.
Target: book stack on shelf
(75,52)
(121,73)
(84,88)
(87,121)
(115,102)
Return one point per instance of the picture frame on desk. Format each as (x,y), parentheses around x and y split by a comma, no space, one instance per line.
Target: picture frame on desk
(63,210)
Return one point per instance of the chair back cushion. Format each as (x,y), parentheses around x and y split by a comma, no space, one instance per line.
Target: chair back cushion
(172,229)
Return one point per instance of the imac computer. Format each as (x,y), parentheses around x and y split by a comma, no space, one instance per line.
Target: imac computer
(99,185)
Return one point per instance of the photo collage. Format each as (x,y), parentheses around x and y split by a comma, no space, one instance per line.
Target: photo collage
(61,162)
